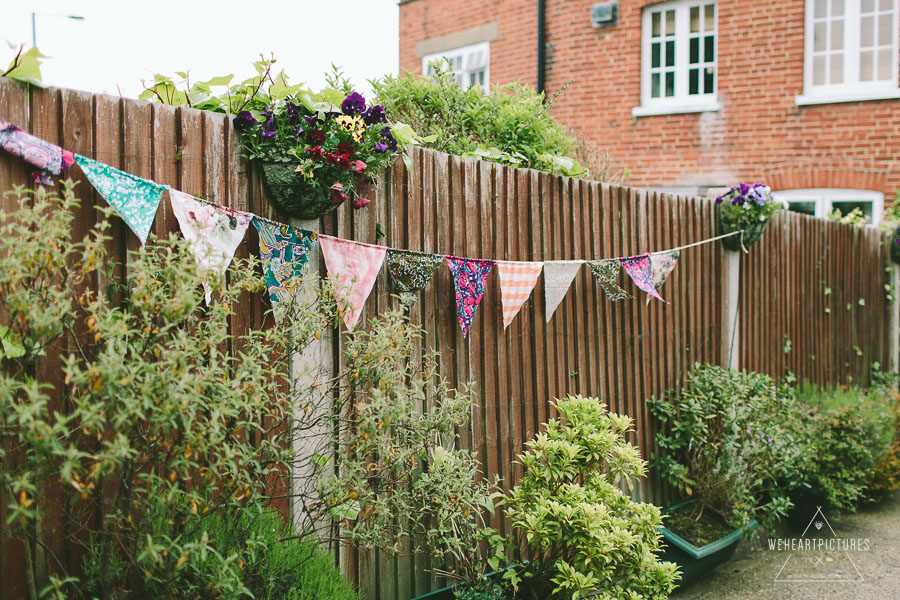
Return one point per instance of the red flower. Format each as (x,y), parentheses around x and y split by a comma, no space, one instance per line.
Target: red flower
(316,136)
(339,197)
(360,203)
(345,148)
(359,166)
(336,158)
(315,152)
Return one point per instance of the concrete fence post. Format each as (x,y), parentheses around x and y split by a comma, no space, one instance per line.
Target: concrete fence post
(730,336)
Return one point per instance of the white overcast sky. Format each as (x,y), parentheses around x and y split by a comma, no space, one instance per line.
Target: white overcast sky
(121,42)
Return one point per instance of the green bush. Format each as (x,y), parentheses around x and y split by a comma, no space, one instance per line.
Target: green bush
(725,443)
(585,537)
(511,124)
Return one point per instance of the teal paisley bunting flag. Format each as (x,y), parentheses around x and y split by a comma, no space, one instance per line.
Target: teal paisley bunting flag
(284,252)
(135,199)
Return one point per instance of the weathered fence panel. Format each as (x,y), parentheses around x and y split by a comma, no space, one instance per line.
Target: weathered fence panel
(818,284)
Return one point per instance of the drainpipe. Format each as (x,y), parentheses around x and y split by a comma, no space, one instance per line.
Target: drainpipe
(541,46)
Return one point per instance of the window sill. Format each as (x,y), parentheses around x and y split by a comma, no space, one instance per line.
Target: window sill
(649,111)
(807,100)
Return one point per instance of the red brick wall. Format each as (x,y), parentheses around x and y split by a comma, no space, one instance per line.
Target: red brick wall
(758,135)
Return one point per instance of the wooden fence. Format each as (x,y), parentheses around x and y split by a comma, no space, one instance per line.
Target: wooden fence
(624,352)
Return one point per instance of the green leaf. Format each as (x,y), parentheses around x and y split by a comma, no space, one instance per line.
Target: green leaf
(347,510)
(182,74)
(29,68)
(332,96)
(11,347)
(430,139)
(404,134)
(223,80)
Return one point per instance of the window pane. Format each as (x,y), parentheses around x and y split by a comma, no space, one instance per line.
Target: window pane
(709,48)
(670,22)
(837,35)
(654,19)
(867,32)
(837,8)
(819,39)
(670,84)
(885,26)
(694,52)
(807,208)
(819,70)
(695,19)
(886,4)
(867,6)
(709,17)
(481,78)
(866,72)
(472,79)
(654,85)
(709,80)
(694,82)
(847,206)
(837,69)
(670,54)
(821,9)
(884,64)
(654,55)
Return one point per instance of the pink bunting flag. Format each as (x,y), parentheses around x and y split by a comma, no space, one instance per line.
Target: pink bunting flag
(352,268)
(469,277)
(517,279)
(641,272)
(661,264)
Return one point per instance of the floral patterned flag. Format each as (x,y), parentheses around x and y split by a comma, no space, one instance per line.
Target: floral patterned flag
(469,278)
(135,199)
(606,271)
(558,276)
(411,272)
(214,232)
(661,264)
(46,158)
(284,251)
(352,267)
(641,273)
(517,279)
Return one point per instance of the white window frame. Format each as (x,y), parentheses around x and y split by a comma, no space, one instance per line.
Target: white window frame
(681,102)
(824,197)
(463,53)
(852,89)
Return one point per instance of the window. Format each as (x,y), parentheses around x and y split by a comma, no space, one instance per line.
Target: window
(820,202)
(851,50)
(470,64)
(678,58)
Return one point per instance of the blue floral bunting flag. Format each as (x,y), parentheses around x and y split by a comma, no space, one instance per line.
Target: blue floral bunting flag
(135,199)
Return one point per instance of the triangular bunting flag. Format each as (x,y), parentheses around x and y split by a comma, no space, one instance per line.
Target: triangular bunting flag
(606,271)
(284,253)
(517,279)
(411,271)
(352,267)
(135,199)
(641,273)
(661,264)
(558,276)
(469,277)
(46,158)
(214,232)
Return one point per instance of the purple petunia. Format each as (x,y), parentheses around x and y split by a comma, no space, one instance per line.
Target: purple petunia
(374,115)
(379,147)
(312,120)
(389,139)
(292,113)
(269,131)
(244,120)
(299,131)
(354,104)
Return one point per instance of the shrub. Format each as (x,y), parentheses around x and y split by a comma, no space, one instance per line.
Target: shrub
(511,124)
(725,443)
(585,536)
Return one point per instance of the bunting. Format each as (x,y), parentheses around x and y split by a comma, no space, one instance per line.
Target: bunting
(558,276)
(352,267)
(469,277)
(606,271)
(46,158)
(411,271)
(638,267)
(517,279)
(284,252)
(214,232)
(661,264)
(135,199)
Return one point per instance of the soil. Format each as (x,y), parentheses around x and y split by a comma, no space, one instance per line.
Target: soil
(706,529)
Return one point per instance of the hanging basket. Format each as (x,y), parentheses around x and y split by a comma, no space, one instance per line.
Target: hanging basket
(292,193)
(895,246)
(751,234)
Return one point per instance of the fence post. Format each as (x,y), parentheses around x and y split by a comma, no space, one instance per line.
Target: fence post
(732,279)
(895,317)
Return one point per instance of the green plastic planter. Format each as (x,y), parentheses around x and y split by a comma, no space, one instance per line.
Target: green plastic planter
(445,593)
(694,562)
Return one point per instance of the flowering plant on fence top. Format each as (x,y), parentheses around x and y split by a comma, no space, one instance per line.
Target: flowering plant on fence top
(748,204)
(335,140)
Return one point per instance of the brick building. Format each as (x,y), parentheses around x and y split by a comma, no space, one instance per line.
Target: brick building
(698,94)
